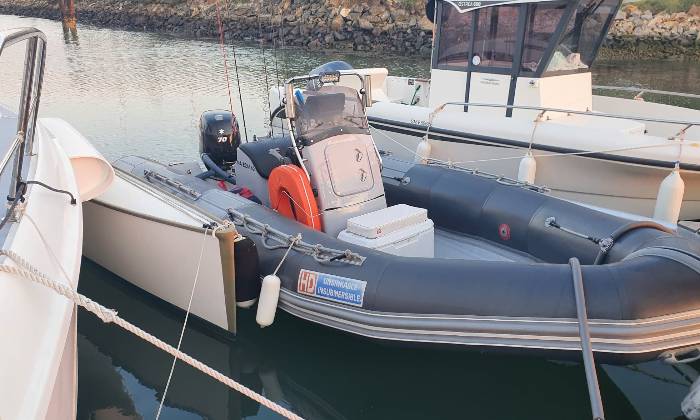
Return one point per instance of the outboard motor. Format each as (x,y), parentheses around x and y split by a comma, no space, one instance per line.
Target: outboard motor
(219,138)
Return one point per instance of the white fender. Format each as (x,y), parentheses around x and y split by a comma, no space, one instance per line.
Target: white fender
(423,151)
(267,303)
(93,174)
(670,198)
(527,169)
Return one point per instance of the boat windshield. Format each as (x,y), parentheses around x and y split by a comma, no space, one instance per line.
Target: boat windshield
(328,112)
(529,39)
(583,35)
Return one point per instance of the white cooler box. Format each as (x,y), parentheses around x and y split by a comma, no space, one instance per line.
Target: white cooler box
(400,230)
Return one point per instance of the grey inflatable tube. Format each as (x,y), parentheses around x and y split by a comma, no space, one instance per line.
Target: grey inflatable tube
(642,300)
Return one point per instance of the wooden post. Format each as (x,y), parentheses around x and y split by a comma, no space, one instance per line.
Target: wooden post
(68,18)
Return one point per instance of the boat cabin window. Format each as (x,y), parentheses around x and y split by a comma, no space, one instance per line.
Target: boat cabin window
(583,35)
(328,112)
(456,38)
(542,22)
(526,39)
(496,37)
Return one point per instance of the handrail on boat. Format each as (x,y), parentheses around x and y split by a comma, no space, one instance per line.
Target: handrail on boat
(10,152)
(32,80)
(640,91)
(567,111)
(15,36)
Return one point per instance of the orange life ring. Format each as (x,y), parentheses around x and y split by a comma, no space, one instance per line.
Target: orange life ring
(291,195)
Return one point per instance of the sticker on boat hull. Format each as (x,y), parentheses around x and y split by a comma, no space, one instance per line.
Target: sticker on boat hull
(331,287)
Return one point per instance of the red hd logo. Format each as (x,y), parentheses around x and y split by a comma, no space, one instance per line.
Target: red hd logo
(307,283)
(504,231)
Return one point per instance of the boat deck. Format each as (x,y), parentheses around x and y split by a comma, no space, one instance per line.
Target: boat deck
(458,246)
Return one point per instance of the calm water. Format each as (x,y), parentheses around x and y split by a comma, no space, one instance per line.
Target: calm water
(141,93)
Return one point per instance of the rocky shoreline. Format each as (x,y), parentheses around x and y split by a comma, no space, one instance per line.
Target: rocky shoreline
(398,26)
(642,34)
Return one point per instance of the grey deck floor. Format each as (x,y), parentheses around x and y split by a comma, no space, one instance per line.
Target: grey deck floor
(456,246)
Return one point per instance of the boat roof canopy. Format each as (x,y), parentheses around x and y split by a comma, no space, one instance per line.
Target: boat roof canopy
(521,37)
(468,6)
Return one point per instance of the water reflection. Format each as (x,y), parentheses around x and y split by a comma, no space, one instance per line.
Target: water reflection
(143,93)
(323,374)
(139,93)
(121,375)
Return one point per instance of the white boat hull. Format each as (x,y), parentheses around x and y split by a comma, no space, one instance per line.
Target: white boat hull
(38,354)
(155,244)
(626,180)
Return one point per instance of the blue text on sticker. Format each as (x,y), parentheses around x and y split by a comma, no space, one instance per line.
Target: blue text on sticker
(331,287)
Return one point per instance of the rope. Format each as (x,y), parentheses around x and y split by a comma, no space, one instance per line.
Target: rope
(50,250)
(537,122)
(28,272)
(225,57)
(284,257)
(498,178)
(235,66)
(318,252)
(264,59)
(19,197)
(277,72)
(581,153)
(187,317)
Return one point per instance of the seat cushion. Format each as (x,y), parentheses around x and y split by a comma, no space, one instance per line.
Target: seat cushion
(267,153)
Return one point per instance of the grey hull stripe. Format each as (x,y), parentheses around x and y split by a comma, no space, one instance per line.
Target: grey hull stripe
(538,333)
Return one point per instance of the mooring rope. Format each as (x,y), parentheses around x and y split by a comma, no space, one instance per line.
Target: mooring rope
(25,270)
(187,317)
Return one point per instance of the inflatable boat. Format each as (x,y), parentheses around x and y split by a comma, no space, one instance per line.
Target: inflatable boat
(410,253)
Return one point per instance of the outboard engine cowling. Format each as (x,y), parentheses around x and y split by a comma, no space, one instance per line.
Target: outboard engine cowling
(219,137)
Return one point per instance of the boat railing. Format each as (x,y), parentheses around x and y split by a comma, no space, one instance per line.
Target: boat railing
(544,110)
(639,92)
(32,79)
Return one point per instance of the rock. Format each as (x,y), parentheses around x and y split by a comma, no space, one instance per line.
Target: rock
(372,25)
(366,24)
(694,10)
(425,24)
(337,23)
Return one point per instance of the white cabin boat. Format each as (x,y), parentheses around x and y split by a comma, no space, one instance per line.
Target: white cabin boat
(502,73)
(47,169)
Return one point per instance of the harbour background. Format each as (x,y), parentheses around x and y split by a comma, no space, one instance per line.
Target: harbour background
(142,93)
(644,29)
